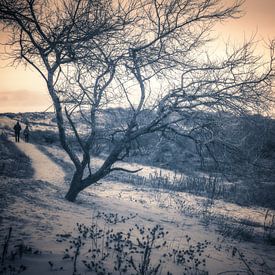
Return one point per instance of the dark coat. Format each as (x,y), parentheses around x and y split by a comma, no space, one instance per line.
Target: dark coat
(26,131)
(17,127)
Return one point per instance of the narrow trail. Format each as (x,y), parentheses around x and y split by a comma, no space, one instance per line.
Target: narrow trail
(44,168)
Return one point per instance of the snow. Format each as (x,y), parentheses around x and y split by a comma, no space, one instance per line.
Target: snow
(45,169)
(37,211)
(195,204)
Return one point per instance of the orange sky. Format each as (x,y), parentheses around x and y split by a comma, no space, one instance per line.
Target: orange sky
(23,89)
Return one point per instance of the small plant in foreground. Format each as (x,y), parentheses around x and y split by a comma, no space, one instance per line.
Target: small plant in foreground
(11,252)
(114,218)
(137,250)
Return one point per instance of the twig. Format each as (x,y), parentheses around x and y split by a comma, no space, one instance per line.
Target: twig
(125,170)
(244,261)
(6,246)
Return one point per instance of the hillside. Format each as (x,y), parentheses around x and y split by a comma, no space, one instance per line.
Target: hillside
(186,233)
(238,158)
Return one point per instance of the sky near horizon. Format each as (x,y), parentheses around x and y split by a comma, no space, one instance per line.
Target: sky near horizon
(23,90)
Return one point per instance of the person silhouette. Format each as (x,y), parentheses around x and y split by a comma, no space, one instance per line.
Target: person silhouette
(26,133)
(17,128)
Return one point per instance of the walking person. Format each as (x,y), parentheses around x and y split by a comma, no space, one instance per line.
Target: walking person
(17,128)
(26,133)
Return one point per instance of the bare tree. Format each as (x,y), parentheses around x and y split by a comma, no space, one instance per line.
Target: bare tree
(151,56)
(50,35)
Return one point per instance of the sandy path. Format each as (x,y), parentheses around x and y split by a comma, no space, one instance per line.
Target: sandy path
(45,169)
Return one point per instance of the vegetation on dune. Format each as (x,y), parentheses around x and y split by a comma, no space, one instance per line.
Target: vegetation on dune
(13,162)
(149,56)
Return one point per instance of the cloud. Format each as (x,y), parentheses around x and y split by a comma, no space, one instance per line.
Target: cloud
(23,101)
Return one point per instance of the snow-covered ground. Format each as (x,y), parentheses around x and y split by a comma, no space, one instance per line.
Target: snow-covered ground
(38,214)
(196,204)
(45,169)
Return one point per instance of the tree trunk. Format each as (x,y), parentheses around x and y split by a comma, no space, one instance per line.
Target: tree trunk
(79,183)
(72,193)
(75,186)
